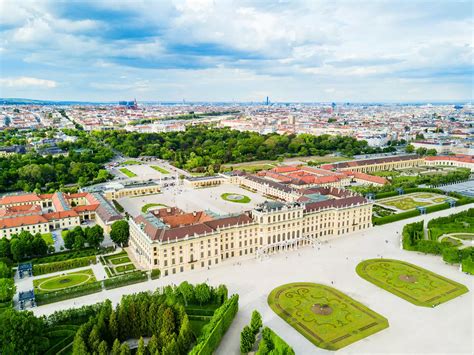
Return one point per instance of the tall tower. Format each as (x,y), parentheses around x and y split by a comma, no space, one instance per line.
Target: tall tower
(267,102)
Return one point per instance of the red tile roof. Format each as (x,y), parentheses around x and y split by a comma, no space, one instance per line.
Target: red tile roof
(459,158)
(12,199)
(22,221)
(335,203)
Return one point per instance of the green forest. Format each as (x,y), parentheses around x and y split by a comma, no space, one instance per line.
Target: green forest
(200,147)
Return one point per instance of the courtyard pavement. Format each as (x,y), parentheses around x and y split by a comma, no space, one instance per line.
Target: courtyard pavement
(446,329)
(190,199)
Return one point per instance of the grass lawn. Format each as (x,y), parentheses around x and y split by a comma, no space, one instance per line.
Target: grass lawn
(123,268)
(48,238)
(127,172)
(237,198)
(120,260)
(466,236)
(410,282)
(117,255)
(146,207)
(159,169)
(59,282)
(325,316)
(131,162)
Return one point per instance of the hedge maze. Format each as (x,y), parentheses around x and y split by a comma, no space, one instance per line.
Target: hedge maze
(410,282)
(325,316)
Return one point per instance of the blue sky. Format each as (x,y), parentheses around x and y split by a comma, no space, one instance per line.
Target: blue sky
(222,50)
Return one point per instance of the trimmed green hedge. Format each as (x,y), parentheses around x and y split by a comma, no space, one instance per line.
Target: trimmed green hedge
(468,265)
(40,269)
(127,279)
(67,255)
(213,332)
(67,293)
(271,343)
(377,221)
(155,274)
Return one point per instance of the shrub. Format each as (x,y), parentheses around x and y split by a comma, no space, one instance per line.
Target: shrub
(67,293)
(467,265)
(430,247)
(395,217)
(155,274)
(271,343)
(247,340)
(127,279)
(411,234)
(40,269)
(451,255)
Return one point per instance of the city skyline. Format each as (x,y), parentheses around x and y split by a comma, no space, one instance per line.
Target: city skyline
(242,51)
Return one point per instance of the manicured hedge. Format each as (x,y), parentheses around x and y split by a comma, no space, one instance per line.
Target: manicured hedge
(271,343)
(67,293)
(377,221)
(468,265)
(67,255)
(127,279)
(155,274)
(411,234)
(72,317)
(40,269)
(213,332)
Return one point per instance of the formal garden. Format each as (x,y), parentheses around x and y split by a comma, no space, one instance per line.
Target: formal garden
(325,316)
(448,236)
(166,318)
(117,264)
(411,201)
(63,281)
(410,282)
(237,198)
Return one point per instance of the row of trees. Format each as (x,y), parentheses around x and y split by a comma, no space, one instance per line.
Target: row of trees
(202,146)
(420,151)
(7,284)
(159,315)
(23,246)
(249,333)
(78,237)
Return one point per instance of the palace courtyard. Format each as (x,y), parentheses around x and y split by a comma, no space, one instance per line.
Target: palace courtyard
(447,328)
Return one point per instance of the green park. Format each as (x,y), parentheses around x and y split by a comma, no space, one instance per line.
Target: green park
(159,169)
(127,172)
(410,282)
(325,316)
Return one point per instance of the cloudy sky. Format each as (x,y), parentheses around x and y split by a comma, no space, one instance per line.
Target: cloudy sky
(242,50)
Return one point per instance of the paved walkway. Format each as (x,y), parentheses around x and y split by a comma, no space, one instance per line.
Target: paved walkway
(445,329)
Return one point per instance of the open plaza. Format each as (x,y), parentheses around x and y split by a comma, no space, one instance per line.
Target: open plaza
(446,328)
(189,199)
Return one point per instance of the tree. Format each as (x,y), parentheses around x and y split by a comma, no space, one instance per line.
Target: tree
(409,148)
(124,349)
(95,236)
(115,348)
(141,350)
(5,271)
(79,241)
(120,232)
(7,289)
(171,348)
(17,247)
(39,246)
(168,325)
(256,322)
(202,293)
(5,251)
(113,325)
(153,345)
(431,152)
(21,333)
(247,339)
(68,240)
(103,348)
(187,290)
(94,338)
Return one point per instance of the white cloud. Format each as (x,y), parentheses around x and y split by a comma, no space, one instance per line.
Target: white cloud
(25,82)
